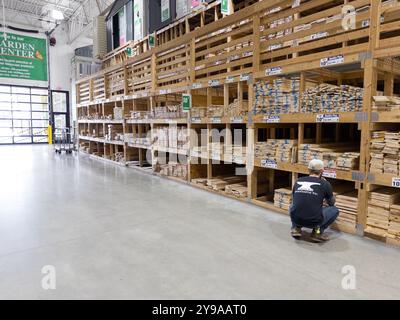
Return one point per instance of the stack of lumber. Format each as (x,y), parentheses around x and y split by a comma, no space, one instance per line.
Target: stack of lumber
(379,203)
(172,169)
(239,153)
(279,96)
(376,148)
(394,222)
(347,203)
(282,150)
(385,103)
(168,112)
(198,112)
(238,190)
(114,133)
(236,109)
(385,152)
(348,161)
(171,137)
(200,181)
(140,115)
(215,111)
(219,183)
(334,155)
(283,198)
(331,98)
(118,113)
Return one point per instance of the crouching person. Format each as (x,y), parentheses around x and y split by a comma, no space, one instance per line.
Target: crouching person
(307,208)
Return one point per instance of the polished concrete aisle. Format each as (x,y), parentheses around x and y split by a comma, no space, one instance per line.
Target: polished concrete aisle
(113,232)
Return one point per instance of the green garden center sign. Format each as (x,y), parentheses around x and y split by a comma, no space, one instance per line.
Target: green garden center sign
(23,57)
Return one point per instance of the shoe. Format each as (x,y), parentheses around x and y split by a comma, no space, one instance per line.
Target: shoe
(318,236)
(296,233)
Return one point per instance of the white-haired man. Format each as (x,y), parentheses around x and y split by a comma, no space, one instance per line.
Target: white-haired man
(307,208)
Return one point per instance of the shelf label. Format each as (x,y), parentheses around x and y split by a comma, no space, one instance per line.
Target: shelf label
(269,164)
(163,91)
(331,61)
(396,182)
(186,102)
(319,35)
(230,79)
(216,120)
(273,71)
(196,120)
(330,173)
(244,77)
(365,23)
(271,119)
(197,86)
(327,118)
(213,83)
(237,119)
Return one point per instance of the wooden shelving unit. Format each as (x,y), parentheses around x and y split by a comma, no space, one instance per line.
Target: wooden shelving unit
(223,63)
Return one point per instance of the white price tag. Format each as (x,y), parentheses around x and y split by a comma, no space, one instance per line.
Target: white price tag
(244,77)
(237,120)
(331,61)
(196,120)
(396,182)
(271,164)
(327,118)
(329,173)
(216,120)
(197,86)
(230,79)
(273,71)
(271,119)
(213,83)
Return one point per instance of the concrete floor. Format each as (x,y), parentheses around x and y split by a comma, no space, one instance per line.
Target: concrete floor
(113,232)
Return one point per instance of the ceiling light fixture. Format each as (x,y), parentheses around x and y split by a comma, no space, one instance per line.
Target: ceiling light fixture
(57,15)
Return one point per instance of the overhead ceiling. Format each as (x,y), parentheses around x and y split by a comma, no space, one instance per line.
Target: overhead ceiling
(35,14)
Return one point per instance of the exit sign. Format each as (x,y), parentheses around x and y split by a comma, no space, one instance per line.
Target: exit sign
(186,102)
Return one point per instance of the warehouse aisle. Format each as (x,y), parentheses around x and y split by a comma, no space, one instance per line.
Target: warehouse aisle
(112,232)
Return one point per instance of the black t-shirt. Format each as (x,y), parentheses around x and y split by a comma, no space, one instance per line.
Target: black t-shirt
(308,197)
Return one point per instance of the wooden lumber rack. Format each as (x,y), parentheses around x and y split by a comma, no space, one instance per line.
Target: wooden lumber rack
(290,76)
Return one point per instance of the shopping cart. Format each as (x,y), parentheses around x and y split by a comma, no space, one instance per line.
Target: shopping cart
(62,141)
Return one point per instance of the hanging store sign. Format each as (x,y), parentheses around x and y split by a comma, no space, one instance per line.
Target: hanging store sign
(165,10)
(186,102)
(23,57)
(226,7)
(138,19)
(122,27)
(271,164)
(152,40)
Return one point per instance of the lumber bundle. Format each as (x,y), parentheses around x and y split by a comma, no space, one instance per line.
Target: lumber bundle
(394,222)
(238,190)
(283,198)
(114,133)
(385,103)
(168,112)
(215,111)
(347,203)
(282,150)
(118,113)
(139,115)
(385,152)
(217,150)
(198,112)
(331,98)
(342,156)
(172,169)
(219,183)
(279,96)
(200,181)
(239,153)
(379,203)
(236,109)
(171,137)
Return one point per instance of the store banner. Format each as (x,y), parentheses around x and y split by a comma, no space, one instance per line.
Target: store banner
(165,10)
(23,57)
(138,19)
(122,27)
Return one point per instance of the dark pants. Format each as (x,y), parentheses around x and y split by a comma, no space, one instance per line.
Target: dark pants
(329,216)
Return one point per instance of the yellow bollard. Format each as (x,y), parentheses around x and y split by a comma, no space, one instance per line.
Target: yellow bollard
(50,134)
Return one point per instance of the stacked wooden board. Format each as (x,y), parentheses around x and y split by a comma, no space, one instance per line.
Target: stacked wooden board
(347,204)
(283,198)
(385,152)
(282,150)
(343,156)
(170,137)
(220,183)
(385,103)
(238,190)
(394,222)
(279,96)
(331,98)
(379,204)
